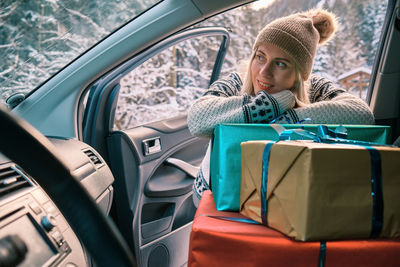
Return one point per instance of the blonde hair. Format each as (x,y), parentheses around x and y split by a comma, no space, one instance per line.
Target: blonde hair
(300,87)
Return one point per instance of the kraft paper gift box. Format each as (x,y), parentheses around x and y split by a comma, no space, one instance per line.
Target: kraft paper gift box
(225,155)
(318,191)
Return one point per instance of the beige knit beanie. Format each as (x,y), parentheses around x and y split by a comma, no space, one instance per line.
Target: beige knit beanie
(299,34)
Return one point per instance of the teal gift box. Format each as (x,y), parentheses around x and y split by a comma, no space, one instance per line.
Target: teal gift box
(226,152)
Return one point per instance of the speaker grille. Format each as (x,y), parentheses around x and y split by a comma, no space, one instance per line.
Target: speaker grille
(159,257)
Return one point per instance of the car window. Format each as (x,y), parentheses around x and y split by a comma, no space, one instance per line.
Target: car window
(167,84)
(38,38)
(346,60)
(49,34)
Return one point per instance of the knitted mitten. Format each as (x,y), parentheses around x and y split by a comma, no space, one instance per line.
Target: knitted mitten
(224,103)
(264,107)
(210,110)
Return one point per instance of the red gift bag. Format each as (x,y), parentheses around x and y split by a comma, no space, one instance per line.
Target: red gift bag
(219,242)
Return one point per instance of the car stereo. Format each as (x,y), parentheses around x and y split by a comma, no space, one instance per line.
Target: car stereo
(29,234)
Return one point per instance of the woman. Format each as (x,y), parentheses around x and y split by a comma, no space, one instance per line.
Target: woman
(277,86)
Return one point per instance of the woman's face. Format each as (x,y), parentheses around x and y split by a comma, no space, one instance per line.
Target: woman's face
(272,70)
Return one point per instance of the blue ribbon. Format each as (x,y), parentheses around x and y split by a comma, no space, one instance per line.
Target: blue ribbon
(377,192)
(233,219)
(328,136)
(322,254)
(324,135)
(325,132)
(264,182)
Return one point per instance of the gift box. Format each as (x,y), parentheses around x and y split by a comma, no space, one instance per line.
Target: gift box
(225,156)
(317,191)
(215,241)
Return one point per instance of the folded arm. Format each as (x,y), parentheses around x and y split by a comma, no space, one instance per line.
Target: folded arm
(224,103)
(330,104)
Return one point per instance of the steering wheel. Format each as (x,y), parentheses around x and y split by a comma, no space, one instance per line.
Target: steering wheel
(27,147)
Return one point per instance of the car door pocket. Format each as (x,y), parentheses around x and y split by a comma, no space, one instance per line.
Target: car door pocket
(155,227)
(184,214)
(156,218)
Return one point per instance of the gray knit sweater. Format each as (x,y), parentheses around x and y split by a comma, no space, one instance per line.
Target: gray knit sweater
(223,102)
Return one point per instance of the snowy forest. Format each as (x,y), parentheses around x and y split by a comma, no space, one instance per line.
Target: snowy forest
(168,83)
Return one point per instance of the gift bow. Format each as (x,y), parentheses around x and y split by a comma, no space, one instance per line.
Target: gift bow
(324,135)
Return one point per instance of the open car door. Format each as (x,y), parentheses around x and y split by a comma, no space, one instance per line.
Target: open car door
(135,117)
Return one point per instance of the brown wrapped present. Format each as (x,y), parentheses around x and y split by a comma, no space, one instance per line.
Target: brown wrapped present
(319,191)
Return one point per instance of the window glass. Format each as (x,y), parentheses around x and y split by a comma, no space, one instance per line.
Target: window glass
(167,84)
(38,38)
(346,60)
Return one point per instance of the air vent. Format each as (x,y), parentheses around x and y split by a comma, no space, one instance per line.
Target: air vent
(93,157)
(11,180)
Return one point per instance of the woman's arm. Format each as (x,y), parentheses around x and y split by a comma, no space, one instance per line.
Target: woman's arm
(223,103)
(330,104)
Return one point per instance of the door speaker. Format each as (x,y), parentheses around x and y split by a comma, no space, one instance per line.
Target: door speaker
(159,257)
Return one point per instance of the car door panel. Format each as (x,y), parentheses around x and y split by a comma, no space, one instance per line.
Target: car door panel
(154,163)
(156,186)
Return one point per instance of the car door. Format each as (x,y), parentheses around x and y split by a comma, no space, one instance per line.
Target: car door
(135,117)
(384,93)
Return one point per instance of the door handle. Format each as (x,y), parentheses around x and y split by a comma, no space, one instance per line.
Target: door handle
(151,146)
(187,168)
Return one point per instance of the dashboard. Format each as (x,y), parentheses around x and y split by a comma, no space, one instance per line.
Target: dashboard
(33,232)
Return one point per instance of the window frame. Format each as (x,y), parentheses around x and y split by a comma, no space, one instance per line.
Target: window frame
(96,111)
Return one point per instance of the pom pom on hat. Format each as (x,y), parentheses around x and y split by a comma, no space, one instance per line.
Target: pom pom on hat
(299,34)
(325,22)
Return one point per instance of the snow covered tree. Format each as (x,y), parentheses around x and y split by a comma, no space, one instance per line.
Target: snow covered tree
(38,38)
